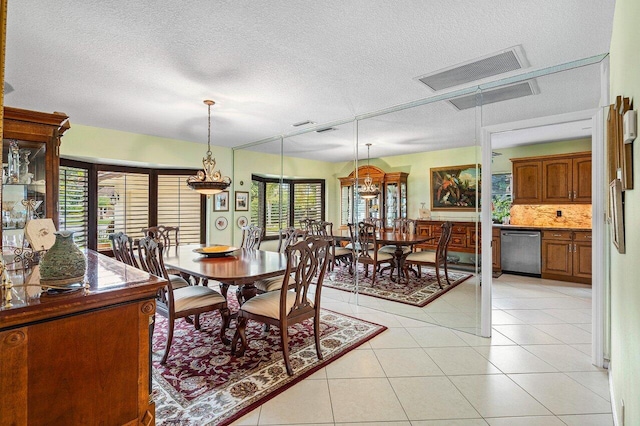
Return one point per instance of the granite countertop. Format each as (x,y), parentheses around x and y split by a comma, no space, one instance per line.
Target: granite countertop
(538,228)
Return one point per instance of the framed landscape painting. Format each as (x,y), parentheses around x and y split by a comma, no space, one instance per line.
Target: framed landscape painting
(242,201)
(455,187)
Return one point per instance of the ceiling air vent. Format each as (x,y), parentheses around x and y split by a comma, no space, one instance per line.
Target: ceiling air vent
(326,129)
(476,69)
(500,94)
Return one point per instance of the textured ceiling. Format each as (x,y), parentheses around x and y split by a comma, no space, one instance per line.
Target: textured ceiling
(146,66)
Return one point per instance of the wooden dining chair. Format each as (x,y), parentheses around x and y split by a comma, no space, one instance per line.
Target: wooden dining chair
(251,237)
(403,226)
(287,237)
(174,303)
(436,258)
(364,249)
(122,246)
(337,253)
(305,260)
(169,236)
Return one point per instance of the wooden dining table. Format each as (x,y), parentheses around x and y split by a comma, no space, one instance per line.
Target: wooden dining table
(400,240)
(241,267)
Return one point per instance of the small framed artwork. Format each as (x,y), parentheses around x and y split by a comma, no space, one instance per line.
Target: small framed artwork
(242,221)
(455,187)
(617,214)
(242,201)
(221,202)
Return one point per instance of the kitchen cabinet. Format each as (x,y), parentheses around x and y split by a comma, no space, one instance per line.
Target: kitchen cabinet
(557,179)
(566,255)
(495,249)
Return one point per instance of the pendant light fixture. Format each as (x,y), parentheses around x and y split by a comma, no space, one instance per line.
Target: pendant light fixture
(208,181)
(368,190)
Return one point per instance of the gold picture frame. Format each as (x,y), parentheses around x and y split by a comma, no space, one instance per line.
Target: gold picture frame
(455,187)
(616,212)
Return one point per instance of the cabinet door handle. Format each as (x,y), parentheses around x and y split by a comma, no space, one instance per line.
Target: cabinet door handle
(569,247)
(557,235)
(569,195)
(574,248)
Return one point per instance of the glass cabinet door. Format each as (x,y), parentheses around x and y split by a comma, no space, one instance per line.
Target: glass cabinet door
(23,188)
(391,204)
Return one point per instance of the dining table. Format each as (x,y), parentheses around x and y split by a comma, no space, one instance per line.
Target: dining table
(241,267)
(400,240)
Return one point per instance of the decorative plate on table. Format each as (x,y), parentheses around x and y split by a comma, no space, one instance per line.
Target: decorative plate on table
(218,250)
(221,223)
(242,221)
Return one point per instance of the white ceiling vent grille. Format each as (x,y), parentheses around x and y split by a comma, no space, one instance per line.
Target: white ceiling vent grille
(496,95)
(476,69)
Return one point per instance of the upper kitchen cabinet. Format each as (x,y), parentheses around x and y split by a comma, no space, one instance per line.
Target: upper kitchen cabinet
(556,179)
(30,168)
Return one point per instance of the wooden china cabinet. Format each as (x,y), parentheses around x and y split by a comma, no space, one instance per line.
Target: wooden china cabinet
(30,169)
(389,205)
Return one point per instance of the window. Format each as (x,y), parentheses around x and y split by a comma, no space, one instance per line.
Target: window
(123,205)
(179,206)
(97,200)
(74,202)
(500,196)
(276,204)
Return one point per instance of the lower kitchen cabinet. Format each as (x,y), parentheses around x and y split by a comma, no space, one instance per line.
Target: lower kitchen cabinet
(566,256)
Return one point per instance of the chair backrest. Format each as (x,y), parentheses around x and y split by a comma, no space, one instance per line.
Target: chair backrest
(306,260)
(251,237)
(404,225)
(377,222)
(289,236)
(363,240)
(122,246)
(168,235)
(443,242)
(307,224)
(151,261)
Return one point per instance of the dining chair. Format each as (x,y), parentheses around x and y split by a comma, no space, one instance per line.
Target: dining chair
(291,304)
(174,303)
(122,246)
(377,222)
(251,237)
(286,237)
(337,253)
(437,258)
(403,226)
(168,235)
(363,246)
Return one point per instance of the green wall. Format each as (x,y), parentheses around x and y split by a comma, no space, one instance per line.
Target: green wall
(625,268)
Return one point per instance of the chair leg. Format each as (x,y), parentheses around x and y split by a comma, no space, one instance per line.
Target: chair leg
(241,325)
(169,340)
(438,276)
(316,332)
(284,342)
(226,319)
(373,276)
(196,323)
(446,273)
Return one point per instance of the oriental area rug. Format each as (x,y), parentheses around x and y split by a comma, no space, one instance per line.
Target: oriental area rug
(202,384)
(417,292)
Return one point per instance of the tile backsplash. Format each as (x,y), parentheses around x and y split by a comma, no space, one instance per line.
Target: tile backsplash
(546,215)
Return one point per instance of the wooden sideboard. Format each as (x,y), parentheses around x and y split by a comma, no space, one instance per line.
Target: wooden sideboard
(566,255)
(81,358)
(464,238)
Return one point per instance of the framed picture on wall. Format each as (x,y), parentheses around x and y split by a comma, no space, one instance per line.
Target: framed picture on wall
(221,202)
(242,201)
(455,187)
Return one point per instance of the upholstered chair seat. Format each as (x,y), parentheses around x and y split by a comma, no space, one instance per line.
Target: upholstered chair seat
(268,305)
(422,256)
(382,256)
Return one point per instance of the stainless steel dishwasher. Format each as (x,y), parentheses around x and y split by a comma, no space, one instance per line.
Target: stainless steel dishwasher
(520,251)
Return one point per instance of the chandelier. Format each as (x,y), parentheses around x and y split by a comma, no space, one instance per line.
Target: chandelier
(208,181)
(368,190)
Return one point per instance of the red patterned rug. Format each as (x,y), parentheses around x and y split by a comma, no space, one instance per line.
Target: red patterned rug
(202,384)
(417,292)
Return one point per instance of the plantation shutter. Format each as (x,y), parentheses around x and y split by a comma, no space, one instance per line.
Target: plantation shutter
(123,205)
(179,206)
(307,201)
(256,203)
(276,209)
(74,202)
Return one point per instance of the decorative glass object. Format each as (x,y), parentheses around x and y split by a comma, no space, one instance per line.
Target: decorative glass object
(64,264)
(14,162)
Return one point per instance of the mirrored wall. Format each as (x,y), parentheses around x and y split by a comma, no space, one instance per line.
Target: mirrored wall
(425,160)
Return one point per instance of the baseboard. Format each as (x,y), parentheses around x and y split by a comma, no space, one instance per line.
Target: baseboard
(612,396)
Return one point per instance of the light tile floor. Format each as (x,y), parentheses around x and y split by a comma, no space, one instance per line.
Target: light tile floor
(535,370)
